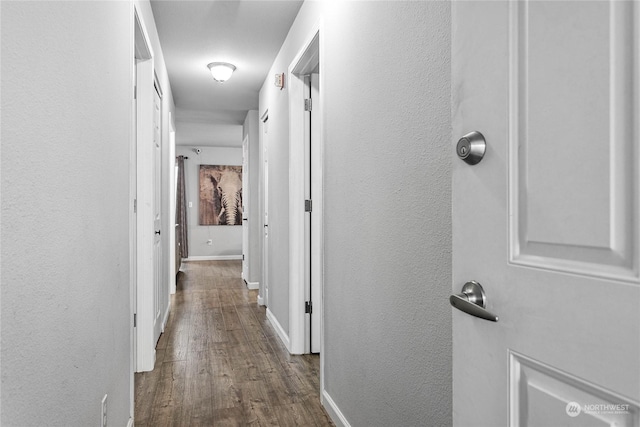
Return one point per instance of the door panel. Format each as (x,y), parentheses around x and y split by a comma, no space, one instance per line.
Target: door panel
(555,224)
(548,221)
(145,302)
(245,213)
(315,226)
(157,206)
(541,396)
(265,201)
(308,216)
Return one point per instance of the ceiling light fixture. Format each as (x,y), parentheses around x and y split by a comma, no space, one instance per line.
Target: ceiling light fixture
(221,71)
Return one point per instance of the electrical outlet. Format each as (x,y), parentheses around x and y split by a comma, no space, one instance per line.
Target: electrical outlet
(190,204)
(209,242)
(104,411)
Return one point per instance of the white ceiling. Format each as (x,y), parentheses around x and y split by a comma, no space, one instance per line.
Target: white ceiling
(245,33)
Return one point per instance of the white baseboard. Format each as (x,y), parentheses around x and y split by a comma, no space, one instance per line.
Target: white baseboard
(260,300)
(130,423)
(213,257)
(252,285)
(279,330)
(334,412)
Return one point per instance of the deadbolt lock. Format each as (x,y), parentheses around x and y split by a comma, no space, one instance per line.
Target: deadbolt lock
(471,148)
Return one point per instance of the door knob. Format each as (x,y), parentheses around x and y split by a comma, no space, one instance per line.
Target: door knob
(471,148)
(472,300)
(157,231)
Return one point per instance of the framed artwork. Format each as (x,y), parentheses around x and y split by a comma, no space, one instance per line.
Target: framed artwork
(220,195)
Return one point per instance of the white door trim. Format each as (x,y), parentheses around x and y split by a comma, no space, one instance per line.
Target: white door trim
(304,63)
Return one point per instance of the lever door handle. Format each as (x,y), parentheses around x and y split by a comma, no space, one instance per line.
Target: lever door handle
(157,231)
(472,300)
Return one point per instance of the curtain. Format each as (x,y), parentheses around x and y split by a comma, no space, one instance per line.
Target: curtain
(181,210)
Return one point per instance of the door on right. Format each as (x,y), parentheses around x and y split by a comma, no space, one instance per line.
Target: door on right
(548,221)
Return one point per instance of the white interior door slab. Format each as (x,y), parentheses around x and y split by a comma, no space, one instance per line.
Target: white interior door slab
(548,220)
(265,201)
(245,212)
(145,250)
(306,167)
(158,288)
(315,195)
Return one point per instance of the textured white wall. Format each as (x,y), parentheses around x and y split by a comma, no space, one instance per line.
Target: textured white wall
(250,129)
(66,114)
(387,190)
(276,101)
(198,128)
(226,240)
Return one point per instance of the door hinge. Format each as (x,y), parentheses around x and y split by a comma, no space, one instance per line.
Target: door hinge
(135,320)
(308,104)
(135,92)
(135,205)
(307,206)
(308,307)
(243,257)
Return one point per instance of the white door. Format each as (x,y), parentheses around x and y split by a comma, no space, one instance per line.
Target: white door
(145,301)
(315,188)
(157,207)
(547,222)
(245,213)
(265,201)
(308,197)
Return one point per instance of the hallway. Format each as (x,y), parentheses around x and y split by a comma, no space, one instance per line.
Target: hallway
(220,363)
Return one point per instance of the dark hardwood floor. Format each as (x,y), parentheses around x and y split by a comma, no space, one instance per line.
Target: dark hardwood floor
(219,362)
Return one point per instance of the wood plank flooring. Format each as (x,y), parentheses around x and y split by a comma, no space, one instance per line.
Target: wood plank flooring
(220,363)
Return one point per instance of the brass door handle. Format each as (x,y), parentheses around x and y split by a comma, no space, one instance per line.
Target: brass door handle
(473,301)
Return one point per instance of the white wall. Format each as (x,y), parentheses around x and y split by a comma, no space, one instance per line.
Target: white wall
(386,72)
(250,130)
(199,128)
(226,239)
(66,126)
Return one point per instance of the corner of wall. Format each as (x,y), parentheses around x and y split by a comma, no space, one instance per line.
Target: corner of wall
(332,409)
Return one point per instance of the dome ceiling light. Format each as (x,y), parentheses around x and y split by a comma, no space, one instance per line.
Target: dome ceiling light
(221,71)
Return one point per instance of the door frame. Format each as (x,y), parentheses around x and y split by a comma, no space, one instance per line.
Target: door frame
(305,61)
(143,350)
